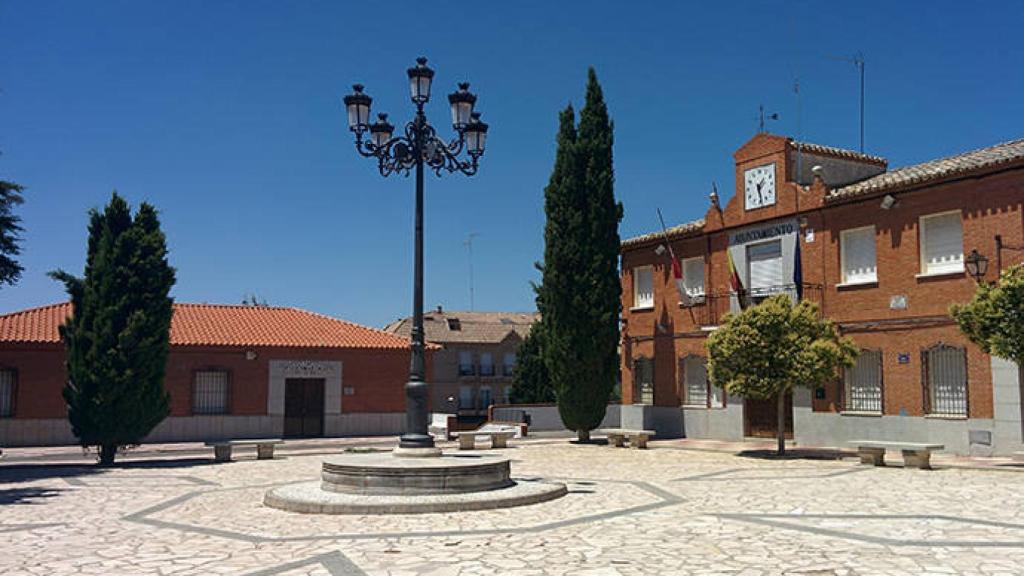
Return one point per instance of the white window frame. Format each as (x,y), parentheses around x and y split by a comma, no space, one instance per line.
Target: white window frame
(761,292)
(694,292)
(843,235)
(637,303)
(922,238)
(225,401)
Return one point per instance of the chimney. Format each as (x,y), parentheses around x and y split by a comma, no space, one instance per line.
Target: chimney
(439,310)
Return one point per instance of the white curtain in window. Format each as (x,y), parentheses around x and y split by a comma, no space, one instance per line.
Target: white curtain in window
(643,287)
(6,392)
(858,248)
(211,392)
(765,262)
(693,276)
(942,244)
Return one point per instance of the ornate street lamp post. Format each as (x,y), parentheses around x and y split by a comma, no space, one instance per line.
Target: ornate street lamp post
(418,148)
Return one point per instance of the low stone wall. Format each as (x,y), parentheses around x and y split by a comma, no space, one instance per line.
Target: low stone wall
(545,418)
(57,432)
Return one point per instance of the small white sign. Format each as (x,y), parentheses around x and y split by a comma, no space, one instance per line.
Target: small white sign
(809,235)
(898,302)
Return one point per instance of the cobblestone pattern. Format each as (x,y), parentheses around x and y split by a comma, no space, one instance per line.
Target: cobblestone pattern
(629,512)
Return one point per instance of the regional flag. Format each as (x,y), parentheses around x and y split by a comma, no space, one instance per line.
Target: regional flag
(734,281)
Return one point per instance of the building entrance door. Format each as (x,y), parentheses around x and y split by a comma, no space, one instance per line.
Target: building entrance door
(760,419)
(303,407)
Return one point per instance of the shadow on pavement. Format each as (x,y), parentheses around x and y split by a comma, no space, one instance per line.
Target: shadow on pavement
(797,454)
(26,495)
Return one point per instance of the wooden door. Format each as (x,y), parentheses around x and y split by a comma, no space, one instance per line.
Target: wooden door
(303,407)
(760,417)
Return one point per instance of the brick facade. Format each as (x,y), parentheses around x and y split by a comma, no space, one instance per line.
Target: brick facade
(989,201)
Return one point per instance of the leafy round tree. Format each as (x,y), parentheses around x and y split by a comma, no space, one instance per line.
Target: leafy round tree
(531,383)
(994,318)
(579,295)
(768,349)
(117,338)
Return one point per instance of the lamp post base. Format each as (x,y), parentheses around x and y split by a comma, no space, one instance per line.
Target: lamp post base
(431,452)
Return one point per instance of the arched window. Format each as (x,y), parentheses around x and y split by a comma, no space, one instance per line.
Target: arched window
(944,378)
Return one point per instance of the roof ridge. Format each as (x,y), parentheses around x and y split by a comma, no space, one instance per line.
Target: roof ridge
(343,321)
(34,309)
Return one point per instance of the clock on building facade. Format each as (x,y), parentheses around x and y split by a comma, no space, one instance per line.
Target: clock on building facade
(759,186)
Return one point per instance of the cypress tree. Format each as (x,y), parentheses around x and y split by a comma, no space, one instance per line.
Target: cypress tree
(530,381)
(579,297)
(10,229)
(117,339)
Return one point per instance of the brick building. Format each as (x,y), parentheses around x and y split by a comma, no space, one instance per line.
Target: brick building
(882,253)
(472,367)
(233,371)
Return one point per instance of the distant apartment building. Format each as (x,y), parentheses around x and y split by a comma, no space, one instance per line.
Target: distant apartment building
(473,367)
(882,253)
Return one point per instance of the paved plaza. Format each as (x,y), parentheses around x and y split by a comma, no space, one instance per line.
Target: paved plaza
(667,510)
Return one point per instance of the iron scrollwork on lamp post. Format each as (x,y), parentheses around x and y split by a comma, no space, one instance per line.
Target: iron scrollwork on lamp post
(417,149)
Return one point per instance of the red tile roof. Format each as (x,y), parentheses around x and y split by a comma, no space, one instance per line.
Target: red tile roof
(220,325)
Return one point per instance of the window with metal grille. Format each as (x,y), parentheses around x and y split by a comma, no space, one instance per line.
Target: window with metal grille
(7,379)
(697,389)
(643,381)
(210,392)
(466,363)
(945,377)
(693,277)
(863,383)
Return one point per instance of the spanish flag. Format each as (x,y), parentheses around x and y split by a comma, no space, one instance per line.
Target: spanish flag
(734,281)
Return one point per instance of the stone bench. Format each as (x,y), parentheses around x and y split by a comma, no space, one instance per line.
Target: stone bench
(618,436)
(264,448)
(915,454)
(499,439)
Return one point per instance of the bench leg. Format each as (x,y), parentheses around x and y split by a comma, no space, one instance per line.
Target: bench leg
(499,442)
(639,442)
(466,442)
(875,456)
(917,458)
(222,453)
(264,451)
(617,441)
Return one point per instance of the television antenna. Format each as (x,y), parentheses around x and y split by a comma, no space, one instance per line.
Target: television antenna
(762,117)
(468,243)
(858,62)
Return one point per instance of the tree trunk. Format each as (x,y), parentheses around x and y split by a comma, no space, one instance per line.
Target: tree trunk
(107,453)
(781,424)
(583,435)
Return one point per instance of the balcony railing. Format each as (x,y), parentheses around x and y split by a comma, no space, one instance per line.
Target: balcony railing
(714,307)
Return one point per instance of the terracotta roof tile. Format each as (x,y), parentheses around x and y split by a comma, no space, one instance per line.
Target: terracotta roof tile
(984,158)
(682,230)
(812,148)
(449,326)
(220,325)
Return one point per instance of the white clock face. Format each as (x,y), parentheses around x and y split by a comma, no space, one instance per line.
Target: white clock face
(759,186)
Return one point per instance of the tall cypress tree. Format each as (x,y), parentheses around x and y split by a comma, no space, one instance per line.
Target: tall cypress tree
(118,336)
(10,229)
(579,297)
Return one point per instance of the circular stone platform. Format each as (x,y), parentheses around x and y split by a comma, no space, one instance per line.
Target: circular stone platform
(309,498)
(381,483)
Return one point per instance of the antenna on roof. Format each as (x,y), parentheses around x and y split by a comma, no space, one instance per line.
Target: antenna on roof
(468,243)
(858,61)
(799,131)
(762,117)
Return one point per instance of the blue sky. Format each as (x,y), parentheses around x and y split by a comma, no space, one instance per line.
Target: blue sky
(227,117)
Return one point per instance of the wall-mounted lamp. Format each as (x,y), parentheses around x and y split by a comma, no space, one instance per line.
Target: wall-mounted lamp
(251,355)
(660,250)
(977,265)
(888,202)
